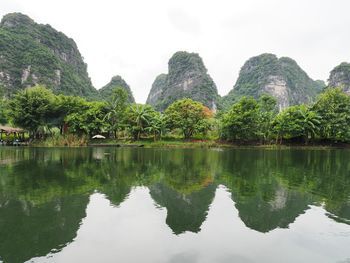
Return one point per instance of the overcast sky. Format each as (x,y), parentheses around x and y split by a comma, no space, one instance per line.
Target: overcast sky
(136,38)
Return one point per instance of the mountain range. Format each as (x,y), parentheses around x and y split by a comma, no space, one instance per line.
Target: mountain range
(32,53)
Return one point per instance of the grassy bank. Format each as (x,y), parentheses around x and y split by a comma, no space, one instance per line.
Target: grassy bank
(69,140)
(178,143)
(75,141)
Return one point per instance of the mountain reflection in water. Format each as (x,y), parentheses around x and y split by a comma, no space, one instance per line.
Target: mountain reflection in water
(44,193)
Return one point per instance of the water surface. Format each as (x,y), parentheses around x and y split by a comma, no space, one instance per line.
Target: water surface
(174,205)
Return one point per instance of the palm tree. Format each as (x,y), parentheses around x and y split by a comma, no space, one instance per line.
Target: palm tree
(157,125)
(116,109)
(112,118)
(310,122)
(140,116)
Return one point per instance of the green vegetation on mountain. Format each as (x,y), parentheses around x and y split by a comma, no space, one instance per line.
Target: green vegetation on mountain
(340,77)
(106,92)
(32,53)
(280,77)
(187,78)
(43,79)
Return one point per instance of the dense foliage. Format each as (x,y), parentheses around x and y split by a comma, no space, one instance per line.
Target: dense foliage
(88,120)
(32,53)
(116,110)
(328,119)
(138,119)
(116,82)
(31,108)
(333,107)
(40,112)
(3,107)
(44,114)
(296,121)
(241,122)
(187,115)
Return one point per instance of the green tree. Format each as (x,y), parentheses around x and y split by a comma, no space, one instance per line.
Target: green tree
(297,121)
(241,122)
(3,119)
(157,125)
(185,115)
(310,122)
(88,121)
(31,107)
(333,107)
(138,119)
(116,109)
(287,124)
(3,106)
(63,106)
(267,112)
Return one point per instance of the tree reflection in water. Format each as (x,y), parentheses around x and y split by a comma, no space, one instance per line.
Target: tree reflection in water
(44,192)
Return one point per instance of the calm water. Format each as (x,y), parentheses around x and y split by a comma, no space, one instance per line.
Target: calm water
(183,205)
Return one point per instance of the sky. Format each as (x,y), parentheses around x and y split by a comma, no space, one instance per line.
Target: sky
(136,38)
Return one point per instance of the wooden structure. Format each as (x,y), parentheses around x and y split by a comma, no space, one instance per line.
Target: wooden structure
(18,133)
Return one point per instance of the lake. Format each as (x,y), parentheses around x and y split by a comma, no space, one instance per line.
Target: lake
(174,205)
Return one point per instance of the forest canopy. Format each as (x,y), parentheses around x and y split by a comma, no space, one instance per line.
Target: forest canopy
(43,114)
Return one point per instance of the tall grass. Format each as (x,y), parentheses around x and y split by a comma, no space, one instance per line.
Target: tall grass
(64,140)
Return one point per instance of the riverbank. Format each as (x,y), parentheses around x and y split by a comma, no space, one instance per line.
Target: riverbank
(180,143)
(162,143)
(211,144)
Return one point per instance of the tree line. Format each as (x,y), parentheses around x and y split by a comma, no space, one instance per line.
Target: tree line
(327,119)
(43,114)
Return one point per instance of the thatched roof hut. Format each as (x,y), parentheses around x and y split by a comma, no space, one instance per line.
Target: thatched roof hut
(8,130)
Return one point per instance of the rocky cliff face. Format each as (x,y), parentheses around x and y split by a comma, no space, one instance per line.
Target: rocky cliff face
(116,82)
(32,53)
(187,78)
(155,95)
(280,77)
(340,77)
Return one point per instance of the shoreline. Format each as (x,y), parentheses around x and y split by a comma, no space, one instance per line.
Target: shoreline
(177,144)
